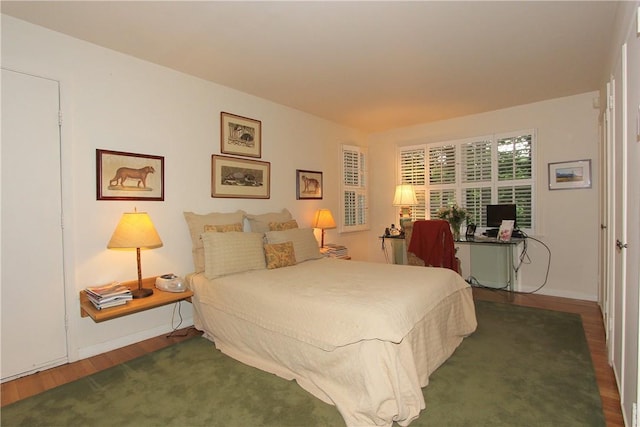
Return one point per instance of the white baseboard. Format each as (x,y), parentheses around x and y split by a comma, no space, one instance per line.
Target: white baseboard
(104,347)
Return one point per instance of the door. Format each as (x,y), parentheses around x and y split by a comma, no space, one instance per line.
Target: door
(618,219)
(32,279)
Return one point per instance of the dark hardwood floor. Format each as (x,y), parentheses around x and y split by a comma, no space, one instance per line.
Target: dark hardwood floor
(24,387)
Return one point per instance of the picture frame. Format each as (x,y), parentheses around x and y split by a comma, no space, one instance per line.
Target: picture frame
(570,175)
(233,177)
(308,184)
(129,176)
(240,136)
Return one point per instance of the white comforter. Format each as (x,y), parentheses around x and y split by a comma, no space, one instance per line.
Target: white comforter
(387,314)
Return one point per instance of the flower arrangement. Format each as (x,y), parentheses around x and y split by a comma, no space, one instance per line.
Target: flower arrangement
(455,215)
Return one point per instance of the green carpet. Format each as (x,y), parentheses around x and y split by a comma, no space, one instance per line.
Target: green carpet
(522,367)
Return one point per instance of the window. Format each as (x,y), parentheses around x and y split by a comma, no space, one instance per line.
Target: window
(473,173)
(355,208)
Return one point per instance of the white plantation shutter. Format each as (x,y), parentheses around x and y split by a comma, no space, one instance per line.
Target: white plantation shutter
(475,200)
(473,173)
(439,199)
(355,207)
(442,177)
(476,161)
(442,164)
(413,171)
(515,177)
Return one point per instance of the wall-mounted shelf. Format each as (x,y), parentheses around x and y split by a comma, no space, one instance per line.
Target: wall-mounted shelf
(159,298)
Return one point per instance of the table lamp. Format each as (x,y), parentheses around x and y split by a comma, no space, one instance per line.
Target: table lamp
(136,231)
(404,198)
(323,220)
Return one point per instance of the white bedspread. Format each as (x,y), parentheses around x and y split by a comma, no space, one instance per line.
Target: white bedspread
(362,336)
(330,303)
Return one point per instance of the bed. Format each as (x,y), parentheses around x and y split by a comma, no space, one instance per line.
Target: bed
(364,337)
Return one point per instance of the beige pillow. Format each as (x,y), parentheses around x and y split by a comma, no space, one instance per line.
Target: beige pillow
(279,255)
(305,244)
(196,224)
(223,228)
(280,226)
(232,252)
(260,223)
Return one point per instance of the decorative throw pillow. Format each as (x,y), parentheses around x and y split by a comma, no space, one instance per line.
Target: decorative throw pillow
(223,228)
(260,223)
(232,252)
(279,255)
(196,224)
(305,244)
(280,226)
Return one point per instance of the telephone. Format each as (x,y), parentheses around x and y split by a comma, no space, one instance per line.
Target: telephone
(393,231)
(170,283)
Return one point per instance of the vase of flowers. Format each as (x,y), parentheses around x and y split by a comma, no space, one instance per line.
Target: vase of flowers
(455,215)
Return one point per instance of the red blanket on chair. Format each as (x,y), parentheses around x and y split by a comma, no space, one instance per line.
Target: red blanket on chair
(432,242)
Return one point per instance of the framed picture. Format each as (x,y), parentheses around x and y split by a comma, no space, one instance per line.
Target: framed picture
(308,184)
(570,175)
(129,176)
(240,135)
(240,178)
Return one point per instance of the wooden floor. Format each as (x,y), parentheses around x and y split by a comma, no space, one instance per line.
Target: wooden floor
(22,388)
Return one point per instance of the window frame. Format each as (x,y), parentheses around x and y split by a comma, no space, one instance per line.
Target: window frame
(460,185)
(359,190)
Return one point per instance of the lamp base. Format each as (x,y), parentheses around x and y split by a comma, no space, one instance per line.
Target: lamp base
(142,293)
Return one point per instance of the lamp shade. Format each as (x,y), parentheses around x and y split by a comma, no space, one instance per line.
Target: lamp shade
(323,219)
(405,195)
(135,230)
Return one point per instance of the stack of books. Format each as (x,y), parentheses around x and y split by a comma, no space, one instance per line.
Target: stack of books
(110,295)
(334,251)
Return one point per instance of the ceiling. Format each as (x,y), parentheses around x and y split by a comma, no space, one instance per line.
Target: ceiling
(372,66)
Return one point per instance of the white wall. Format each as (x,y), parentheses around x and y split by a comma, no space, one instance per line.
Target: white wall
(567,220)
(116,102)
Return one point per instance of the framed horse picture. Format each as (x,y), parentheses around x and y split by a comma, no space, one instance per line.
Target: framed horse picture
(308,184)
(129,176)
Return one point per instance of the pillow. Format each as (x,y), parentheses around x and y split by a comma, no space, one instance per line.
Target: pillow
(223,228)
(260,223)
(305,244)
(197,222)
(232,252)
(279,226)
(279,254)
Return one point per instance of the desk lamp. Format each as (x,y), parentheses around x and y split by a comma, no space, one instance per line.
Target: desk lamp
(323,220)
(404,198)
(136,231)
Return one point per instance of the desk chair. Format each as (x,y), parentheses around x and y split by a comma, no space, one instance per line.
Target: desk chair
(430,243)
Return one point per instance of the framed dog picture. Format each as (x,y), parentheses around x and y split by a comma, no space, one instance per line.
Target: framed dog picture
(308,184)
(129,176)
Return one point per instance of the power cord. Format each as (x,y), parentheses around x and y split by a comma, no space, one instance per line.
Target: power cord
(523,259)
(175,329)
(546,276)
(385,251)
(475,283)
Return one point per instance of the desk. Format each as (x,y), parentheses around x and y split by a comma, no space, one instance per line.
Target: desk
(492,262)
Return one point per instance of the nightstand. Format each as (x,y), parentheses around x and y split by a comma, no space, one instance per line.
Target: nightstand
(159,298)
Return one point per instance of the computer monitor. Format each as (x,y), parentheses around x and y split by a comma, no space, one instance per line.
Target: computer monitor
(496,213)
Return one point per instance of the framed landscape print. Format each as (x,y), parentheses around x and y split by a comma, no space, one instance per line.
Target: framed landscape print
(240,178)
(308,184)
(241,136)
(570,175)
(129,176)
